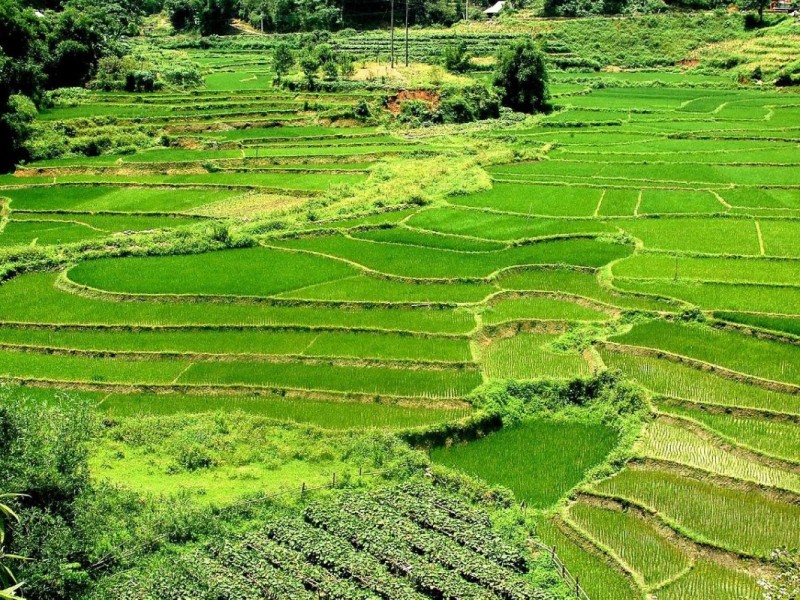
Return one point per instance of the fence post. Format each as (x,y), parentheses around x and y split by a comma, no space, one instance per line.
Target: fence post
(359,471)
(577,588)
(303,490)
(333,485)
(553,554)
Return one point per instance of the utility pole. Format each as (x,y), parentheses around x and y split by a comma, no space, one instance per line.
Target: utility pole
(466,11)
(406,32)
(392,49)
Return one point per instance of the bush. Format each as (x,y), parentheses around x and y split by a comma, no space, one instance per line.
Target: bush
(521,76)
(456,59)
(185,75)
(140,81)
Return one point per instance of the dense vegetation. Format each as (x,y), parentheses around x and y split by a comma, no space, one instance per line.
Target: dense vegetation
(280,320)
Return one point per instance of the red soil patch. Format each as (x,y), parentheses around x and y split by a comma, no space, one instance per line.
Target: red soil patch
(395,103)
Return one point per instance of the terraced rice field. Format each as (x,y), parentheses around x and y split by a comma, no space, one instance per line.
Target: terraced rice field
(319,296)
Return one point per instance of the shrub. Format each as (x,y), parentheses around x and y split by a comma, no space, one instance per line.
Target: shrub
(521,76)
(456,59)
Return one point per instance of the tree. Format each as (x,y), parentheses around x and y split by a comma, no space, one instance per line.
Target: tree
(182,14)
(214,16)
(521,76)
(282,59)
(309,63)
(456,59)
(757,5)
(15,127)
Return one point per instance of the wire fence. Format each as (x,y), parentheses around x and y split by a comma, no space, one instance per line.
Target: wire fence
(571,581)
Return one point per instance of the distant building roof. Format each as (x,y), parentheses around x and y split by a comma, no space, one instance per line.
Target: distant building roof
(495,8)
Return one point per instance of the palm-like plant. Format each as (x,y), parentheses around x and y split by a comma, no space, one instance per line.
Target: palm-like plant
(8,582)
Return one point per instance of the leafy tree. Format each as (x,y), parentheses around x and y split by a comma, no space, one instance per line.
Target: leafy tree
(182,14)
(282,59)
(309,63)
(521,76)
(756,5)
(214,16)
(456,59)
(346,66)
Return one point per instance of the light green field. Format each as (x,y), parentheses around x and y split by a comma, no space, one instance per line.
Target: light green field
(671,379)
(530,356)
(749,521)
(552,463)
(727,349)
(635,541)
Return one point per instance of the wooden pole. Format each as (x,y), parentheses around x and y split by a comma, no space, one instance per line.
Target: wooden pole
(392,25)
(406,32)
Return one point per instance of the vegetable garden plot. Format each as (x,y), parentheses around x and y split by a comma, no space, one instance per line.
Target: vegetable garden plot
(79,198)
(419,262)
(635,541)
(56,307)
(244,272)
(668,378)
(504,227)
(769,436)
(721,296)
(734,270)
(696,234)
(547,461)
(535,200)
(727,349)
(538,308)
(363,288)
(530,356)
(747,521)
(676,444)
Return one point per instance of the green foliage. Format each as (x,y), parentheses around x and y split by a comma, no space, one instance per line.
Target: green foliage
(456,58)
(521,75)
(282,60)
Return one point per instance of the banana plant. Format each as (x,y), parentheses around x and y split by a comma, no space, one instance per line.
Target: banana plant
(7,580)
